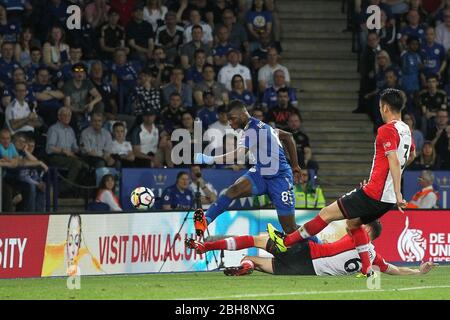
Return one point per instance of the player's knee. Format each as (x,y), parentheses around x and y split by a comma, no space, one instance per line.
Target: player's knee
(233,192)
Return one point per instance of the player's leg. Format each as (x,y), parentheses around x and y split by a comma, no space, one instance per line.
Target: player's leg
(280,191)
(326,216)
(361,240)
(230,244)
(245,186)
(263,264)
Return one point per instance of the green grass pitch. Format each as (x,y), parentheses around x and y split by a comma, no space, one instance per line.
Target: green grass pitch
(435,285)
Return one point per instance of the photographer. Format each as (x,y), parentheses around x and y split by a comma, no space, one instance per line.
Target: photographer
(207,192)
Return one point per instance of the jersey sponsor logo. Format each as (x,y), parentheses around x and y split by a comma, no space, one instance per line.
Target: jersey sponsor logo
(411,244)
(386,145)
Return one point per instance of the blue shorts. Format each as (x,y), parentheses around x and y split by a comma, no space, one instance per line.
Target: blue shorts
(279,188)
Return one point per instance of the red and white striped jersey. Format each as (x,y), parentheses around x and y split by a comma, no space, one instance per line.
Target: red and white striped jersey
(341,257)
(394,136)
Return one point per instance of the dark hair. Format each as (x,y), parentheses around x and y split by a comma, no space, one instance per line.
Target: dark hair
(234,79)
(6,43)
(102,184)
(394,98)
(411,39)
(376,228)
(35,49)
(196,27)
(264,8)
(199,51)
(237,105)
(222,109)
(174,94)
(433,76)
(180,174)
(208,65)
(118,124)
(283,90)
(42,68)
(413,118)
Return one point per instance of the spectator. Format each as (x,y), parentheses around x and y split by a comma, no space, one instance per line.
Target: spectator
(388,36)
(18,115)
(154,13)
(367,70)
(36,63)
(194,74)
(62,148)
(208,114)
(259,21)
(239,93)
(178,196)
(22,51)
(112,36)
(190,49)
(308,196)
(426,198)
(233,67)
(7,64)
(279,116)
(96,13)
(300,138)
(187,122)
(125,10)
(218,130)
(75,55)
(172,114)
(176,85)
(413,29)
(49,99)
(209,84)
(309,163)
(411,66)
(121,150)
(55,50)
(123,74)
(433,55)
(9,91)
(96,144)
(443,32)
(9,159)
(259,56)
(108,94)
(270,99)
(418,138)
(145,97)
(220,6)
(81,97)
(438,133)
(427,160)
(430,101)
(105,193)
(208,194)
(265,74)
(9,29)
(195,20)
(31,176)
(145,142)
(170,37)
(238,33)
(140,36)
(160,67)
(222,47)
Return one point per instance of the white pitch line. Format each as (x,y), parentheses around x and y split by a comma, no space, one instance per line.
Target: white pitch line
(308,293)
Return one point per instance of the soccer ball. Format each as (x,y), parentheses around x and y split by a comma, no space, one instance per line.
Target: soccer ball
(142,198)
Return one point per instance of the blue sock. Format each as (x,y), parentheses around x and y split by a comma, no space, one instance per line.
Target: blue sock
(216,209)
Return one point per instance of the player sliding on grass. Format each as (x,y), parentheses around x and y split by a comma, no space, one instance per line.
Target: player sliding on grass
(307,257)
(271,174)
(393,146)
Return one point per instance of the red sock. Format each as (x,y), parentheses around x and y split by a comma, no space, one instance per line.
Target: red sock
(309,229)
(232,244)
(361,240)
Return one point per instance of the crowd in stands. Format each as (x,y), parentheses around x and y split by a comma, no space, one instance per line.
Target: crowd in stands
(410,52)
(111,93)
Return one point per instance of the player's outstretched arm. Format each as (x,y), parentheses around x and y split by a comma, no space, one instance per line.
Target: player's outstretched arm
(239,154)
(396,173)
(424,268)
(288,140)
